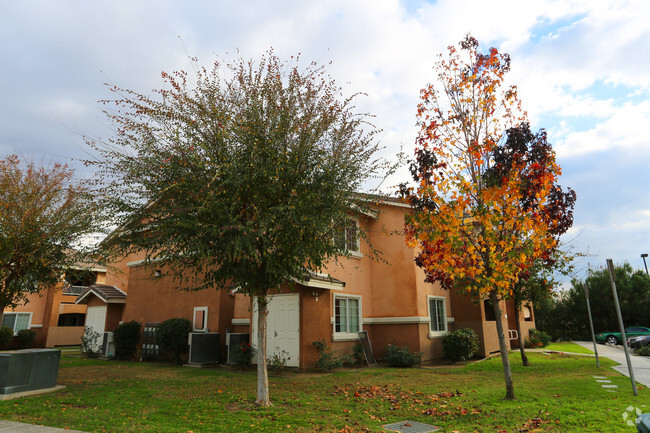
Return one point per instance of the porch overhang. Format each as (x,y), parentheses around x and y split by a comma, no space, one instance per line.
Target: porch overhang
(107,294)
(320,281)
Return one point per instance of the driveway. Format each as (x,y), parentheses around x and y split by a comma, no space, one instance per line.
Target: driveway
(640,364)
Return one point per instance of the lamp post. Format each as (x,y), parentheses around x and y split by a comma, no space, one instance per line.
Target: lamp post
(643,256)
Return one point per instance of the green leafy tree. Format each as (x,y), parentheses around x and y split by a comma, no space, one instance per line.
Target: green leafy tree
(44,213)
(566,316)
(241,176)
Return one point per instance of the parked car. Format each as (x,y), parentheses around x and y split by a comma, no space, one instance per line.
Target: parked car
(638,342)
(615,337)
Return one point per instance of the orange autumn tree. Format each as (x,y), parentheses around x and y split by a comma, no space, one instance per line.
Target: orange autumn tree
(479,224)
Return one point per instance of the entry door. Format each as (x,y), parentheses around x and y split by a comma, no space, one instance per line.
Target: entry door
(96,320)
(282,330)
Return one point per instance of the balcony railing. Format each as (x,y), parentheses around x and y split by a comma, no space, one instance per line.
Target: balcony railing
(74,290)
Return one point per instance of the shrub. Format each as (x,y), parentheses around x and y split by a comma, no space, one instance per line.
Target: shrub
(278,360)
(326,359)
(401,357)
(172,336)
(244,356)
(6,335)
(532,343)
(460,345)
(127,337)
(25,338)
(539,336)
(644,351)
(357,354)
(91,343)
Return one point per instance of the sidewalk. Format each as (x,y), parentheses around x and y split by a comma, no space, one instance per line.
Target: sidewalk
(17,427)
(640,364)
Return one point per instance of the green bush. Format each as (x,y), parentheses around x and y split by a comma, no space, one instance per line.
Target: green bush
(358,356)
(172,336)
(540,336)
(327,360)
(460,345)
(127,337)
(25,338)
(644,351)
(6,335)
(401,357)
(244,356)
(278,360)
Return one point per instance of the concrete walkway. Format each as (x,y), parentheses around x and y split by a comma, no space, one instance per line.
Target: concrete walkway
(17,427)
(640,364)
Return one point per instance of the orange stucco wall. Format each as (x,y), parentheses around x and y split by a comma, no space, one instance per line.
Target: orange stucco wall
(46,306)
(392,289)
(151,299)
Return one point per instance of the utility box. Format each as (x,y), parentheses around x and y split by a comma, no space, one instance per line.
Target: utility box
(204,347)
(28,370)
(643,423)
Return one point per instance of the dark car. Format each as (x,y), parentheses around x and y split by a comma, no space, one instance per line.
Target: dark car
(615,337)
(638,342)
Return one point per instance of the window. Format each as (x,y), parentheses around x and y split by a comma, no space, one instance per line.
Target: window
(489,311)
(200,319)
(437,315)
(528,314)
(346,238)
(347,315)
(71,319)
(17,321)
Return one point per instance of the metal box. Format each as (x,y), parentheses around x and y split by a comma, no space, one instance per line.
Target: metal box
(643,423)
(28,369)
(204,347)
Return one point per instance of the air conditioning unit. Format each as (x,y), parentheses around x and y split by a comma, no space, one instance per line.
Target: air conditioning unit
(204,347)
(108,345)
(234,341)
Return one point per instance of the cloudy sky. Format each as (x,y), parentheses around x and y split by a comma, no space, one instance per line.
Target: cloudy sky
(582,69)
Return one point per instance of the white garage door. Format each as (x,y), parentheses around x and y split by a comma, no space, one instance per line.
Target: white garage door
(283,327)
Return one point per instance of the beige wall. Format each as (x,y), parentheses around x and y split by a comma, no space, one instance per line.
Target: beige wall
(64,336)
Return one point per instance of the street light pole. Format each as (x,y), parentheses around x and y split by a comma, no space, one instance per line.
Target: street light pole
(643,256)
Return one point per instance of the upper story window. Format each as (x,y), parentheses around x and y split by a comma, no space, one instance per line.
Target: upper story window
(346,238)
(437,316)
(528,313)
(17,321)
(77,280)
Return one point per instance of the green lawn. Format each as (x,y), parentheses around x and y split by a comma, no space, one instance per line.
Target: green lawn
(567,346)
(556,393)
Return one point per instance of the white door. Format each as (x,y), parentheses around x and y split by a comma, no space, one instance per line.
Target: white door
(95,321)
(283,327)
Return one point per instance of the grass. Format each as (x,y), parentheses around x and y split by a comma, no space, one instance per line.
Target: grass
(568,346)
(556,393)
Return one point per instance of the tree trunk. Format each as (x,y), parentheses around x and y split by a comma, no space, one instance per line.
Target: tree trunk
(507,373)
(262,370)
(524,358)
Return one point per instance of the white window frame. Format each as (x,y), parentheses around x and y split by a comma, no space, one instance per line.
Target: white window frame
(205,319)
(352,253)
(16,313)
(345,336)
(438,333)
